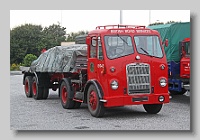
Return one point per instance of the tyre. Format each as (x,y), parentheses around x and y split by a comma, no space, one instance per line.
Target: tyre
(77,104)
(65,94)
(95,107)
(37,91)
(152,108)
(45,93)
(177,93)
(28,86)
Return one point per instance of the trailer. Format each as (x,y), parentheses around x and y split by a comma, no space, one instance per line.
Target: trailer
(118,65)
(178,55)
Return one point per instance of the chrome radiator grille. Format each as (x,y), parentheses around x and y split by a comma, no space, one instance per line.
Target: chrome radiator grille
(138,78)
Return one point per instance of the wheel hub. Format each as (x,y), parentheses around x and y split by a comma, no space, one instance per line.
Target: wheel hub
(93,100)
(64,94)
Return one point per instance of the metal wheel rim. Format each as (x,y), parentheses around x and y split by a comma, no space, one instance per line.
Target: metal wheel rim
(64,94)
(93,100)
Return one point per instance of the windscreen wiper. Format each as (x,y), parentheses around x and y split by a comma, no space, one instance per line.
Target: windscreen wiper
(122,39)
(144,50)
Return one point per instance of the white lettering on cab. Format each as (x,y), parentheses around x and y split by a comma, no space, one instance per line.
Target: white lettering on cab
(100,65)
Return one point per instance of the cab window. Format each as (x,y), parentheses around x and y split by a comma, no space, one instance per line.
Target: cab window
(100,51)
(93,45)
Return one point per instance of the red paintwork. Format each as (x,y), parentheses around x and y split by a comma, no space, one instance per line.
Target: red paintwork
(43,50)
(185,67)
(186,40)
(185,61)
(93,100)
(64,94)
(104,76)
(56,77)
(26,87)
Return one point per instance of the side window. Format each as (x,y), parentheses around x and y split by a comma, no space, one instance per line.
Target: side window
(100,51)
(93,45)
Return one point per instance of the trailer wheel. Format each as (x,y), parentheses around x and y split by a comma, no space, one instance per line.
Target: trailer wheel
(152,108)
(77,104)
(95,107)
(37,91)
(65,93)
(45,93)
(28,86)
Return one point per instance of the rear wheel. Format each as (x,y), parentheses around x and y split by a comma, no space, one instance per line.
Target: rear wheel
(95,107)
(152,108)
(77,104)
(45,93)
(65,94)
(28,86)
(37,91)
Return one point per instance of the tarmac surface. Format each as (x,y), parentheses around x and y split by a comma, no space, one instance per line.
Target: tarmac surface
(29,114)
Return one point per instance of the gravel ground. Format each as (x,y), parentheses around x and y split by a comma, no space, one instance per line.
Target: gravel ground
(29,114)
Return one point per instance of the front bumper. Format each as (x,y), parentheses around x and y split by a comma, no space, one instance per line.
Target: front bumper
(134,99)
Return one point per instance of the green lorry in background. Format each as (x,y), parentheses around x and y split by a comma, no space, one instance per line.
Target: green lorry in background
(177,53)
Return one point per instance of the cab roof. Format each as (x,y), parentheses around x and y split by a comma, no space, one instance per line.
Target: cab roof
(122,29)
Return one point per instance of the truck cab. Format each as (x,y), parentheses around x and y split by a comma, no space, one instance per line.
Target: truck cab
(185,58)
(126,66)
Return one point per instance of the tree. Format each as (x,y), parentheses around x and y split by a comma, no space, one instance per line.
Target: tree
(53,36)
(28,59)
(156,23)
(31,39)
(72,35)
(24,40)
(169,22)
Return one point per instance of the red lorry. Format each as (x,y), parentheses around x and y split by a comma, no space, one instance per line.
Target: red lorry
(185,63)
(123,65)
(179,72)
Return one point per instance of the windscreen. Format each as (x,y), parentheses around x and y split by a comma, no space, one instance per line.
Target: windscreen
(118,46)
(148,45)
(187,48)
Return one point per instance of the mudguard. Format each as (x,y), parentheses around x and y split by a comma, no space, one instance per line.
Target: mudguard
(98,87)
(67,80)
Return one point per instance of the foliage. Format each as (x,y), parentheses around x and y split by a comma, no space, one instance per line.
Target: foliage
(156,23)
(53,36)
(31,39)
(23,40)
(28,59)
(14,67)
(71,36)
(169,22)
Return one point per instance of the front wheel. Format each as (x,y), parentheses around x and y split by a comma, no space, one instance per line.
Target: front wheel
(95,107)
(152,108)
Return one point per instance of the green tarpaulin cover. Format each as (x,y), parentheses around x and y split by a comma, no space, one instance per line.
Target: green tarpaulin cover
(174,32)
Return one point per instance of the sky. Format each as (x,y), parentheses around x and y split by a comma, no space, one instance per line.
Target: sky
(86,20)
